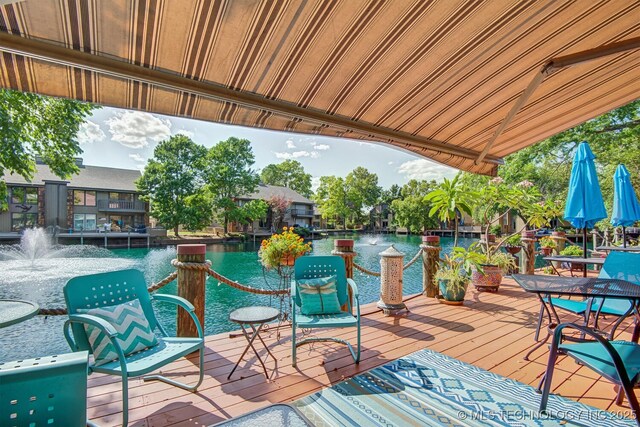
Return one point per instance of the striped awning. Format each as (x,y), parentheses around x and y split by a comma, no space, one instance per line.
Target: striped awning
(461,82)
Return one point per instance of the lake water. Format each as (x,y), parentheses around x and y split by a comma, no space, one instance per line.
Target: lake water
(43,280)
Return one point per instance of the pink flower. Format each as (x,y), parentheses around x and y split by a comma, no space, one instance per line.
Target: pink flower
(525,184)
(497,180)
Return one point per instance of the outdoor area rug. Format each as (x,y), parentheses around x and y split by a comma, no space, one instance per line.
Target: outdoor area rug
(427,388)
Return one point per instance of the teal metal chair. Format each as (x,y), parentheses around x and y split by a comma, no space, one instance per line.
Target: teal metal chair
(117,287)
(309,267)
(617,265)
(618,361)
(45,391)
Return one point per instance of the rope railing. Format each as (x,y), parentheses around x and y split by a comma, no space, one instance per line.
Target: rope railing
(206,266)
(377,274)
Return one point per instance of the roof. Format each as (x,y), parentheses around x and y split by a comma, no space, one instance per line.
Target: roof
(90,177)
(265,192)
(462,82)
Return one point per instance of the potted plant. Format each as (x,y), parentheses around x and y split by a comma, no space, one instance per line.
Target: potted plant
(282,249)
(495,264)
(547,245)
(454,274)
(512,244)
(573,251)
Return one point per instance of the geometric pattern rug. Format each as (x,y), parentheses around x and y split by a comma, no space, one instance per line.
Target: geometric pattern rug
(427,388)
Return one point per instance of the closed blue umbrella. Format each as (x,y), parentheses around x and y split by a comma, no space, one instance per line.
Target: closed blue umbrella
(584,205)
(626,209)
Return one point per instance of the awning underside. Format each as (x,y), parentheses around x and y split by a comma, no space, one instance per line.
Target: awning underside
(436,78)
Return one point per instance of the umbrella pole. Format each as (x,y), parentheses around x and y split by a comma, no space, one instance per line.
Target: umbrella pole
(584,250)
(624,236)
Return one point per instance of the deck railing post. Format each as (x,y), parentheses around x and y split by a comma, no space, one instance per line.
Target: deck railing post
(430,262)
(391,269)
(528,258)
(344,249)
(560,239)
(191,284)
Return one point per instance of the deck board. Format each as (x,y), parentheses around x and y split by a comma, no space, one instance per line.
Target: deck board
(492,331)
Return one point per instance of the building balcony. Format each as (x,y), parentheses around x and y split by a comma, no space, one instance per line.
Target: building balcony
(306,213)
(113,205)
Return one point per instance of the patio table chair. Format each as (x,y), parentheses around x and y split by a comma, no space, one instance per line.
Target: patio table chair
(617,265)
(325,270)
(617,361)
(111,316)
(44,391)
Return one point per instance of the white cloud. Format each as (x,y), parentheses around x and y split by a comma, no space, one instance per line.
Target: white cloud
(321,147)
(136,129)
(90,132)
(425,169)
(390,163)
(297,154)
(186,133)
(290,144)
(137,158)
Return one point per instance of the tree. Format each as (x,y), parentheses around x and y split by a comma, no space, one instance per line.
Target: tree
(362,192)
(173,183)
(290,174)
(450,198)
(389,195)
(411,210)
(34,125)
(229,174)
(331,198)
(278,205)
(250,212)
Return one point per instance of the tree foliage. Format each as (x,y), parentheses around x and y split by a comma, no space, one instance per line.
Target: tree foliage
(331,198)
(34,125)
(362,192)
(173,183)
(411,209)
(290,174)
(449,198)
(250,212)
(278,205)
(229,174)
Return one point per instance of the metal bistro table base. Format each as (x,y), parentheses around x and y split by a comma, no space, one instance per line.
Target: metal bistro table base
(255,318)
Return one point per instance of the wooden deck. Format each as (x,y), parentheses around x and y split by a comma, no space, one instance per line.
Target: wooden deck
(492,331)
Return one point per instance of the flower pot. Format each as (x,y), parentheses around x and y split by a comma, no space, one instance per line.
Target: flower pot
(546,251)
(528,234)
(558,233)
(451,293)
(287,261)
(513,249)
(489,280)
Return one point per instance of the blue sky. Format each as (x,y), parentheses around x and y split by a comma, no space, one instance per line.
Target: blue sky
(126,139)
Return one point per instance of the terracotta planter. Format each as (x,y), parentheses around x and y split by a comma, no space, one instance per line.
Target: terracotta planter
(449,294)
(558,233)
(513,249)
(492,238)
(287,261)
(546,251)
(528,234)
(489,280)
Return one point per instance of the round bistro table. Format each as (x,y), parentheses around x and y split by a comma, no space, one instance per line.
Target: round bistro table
(16,311)
(255,318)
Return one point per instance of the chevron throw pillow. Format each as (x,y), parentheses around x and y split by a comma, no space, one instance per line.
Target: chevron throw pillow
(128,319)
(318,295)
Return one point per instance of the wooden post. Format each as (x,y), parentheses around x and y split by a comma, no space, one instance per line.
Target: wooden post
(344,249)
(528,257)
(191,287)
(430,263)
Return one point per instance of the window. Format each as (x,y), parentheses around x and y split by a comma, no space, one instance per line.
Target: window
(84,222)
(127,197)
(24,195)
(84,198)
(20,221)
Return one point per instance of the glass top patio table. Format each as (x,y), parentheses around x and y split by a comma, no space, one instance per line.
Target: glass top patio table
(16,311)
(581,286)
(619,248)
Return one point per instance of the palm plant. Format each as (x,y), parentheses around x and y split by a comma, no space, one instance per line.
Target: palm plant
(448,199)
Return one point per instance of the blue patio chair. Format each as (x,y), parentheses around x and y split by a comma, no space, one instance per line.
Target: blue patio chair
(317,267)
(618,361)
(107,292)
(617,265)
(44,391)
